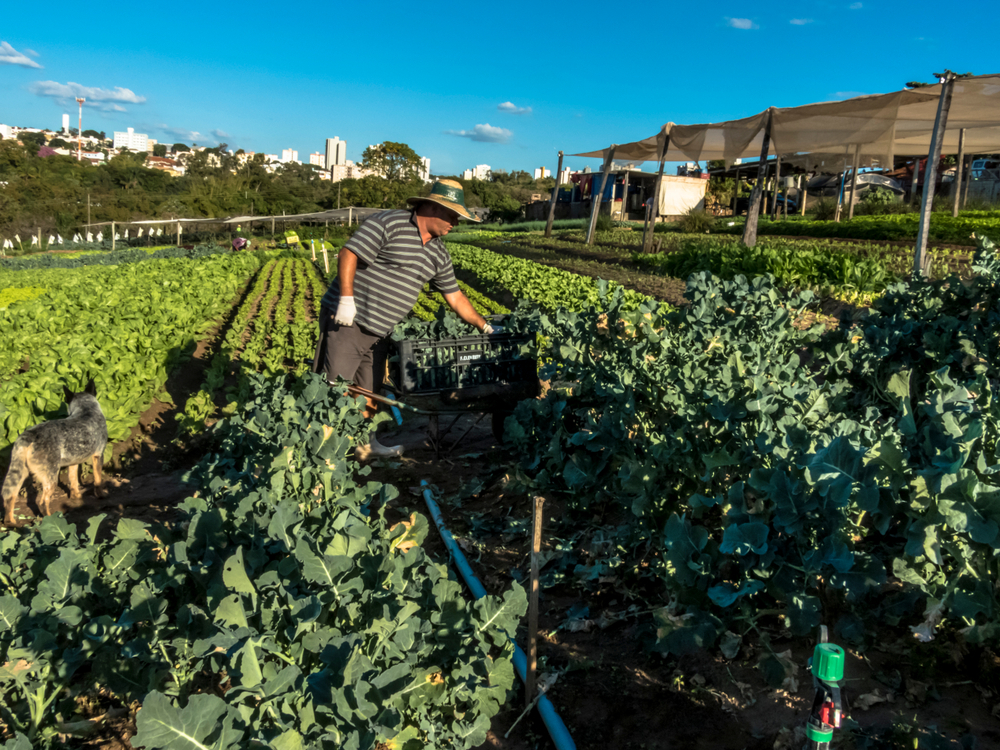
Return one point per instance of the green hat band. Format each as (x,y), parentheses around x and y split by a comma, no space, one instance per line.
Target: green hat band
(449,193)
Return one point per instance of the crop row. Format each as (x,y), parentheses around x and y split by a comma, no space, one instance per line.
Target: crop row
(124,326)
(550,288)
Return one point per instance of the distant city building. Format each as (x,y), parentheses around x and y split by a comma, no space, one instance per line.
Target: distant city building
(6,132)
(542,172)
(481,172)
(131,140)
(425,168)
(289,154)
(318,159)
(170,166)
(150,142)
(66,124)
(336,152)
(94,157)
(348,171)
(564,176)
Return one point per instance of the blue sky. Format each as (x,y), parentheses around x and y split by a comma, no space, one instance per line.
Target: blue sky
(504,84)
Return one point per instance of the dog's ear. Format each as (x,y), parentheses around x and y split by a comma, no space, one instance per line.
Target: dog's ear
(91,387)
(69,394)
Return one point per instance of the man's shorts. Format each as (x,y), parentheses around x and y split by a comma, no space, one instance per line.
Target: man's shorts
(350,352)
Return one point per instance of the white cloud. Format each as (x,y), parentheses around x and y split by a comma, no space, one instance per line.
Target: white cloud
(800,21)
(741,23)
(109,100)
(182,134)
(221,134)
(855,6)
(10,56)
(484,133)
(31,52)
(513,109)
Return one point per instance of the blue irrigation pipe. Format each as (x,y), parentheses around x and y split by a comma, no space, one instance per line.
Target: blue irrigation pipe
(396,413)
(557,729)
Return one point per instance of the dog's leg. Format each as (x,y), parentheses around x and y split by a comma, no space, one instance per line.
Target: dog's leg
(16,475)
(74,482)
(49,485)
(99,490)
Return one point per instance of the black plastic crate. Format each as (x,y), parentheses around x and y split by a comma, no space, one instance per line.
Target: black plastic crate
(465,363)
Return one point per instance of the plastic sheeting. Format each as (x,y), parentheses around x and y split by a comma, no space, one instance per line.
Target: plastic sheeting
(680,195)
(881,126)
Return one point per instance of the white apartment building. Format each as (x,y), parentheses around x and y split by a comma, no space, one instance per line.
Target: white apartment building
(564,176)
(150,142)
(131,140)
(336,152)
(481,172)
(289,154)
(348,171)
(425,168)
(318,159)
(542,172)
(65,124)
(6,132)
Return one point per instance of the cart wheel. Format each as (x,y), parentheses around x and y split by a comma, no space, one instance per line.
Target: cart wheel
(497,418)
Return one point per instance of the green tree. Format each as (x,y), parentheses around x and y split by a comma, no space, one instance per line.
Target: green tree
(59,143)
(160,149)
(93,134)
(177,147)
(392,161)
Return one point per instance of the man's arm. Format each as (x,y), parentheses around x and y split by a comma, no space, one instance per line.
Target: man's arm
(458,302)
(347,266)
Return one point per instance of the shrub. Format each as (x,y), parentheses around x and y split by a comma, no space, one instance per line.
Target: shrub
(696,221)
(823,210)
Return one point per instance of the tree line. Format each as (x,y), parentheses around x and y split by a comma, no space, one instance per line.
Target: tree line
(40,189)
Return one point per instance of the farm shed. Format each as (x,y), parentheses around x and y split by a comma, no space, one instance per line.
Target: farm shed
(955,115)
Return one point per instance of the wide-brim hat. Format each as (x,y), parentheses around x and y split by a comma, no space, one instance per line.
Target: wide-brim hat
(447,193)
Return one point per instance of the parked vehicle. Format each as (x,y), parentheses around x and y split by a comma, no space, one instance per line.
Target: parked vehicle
(985,169)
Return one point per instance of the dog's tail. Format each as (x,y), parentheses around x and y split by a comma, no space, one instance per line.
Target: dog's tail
(17,472)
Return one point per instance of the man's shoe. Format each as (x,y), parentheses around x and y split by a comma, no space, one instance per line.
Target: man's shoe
(377,450)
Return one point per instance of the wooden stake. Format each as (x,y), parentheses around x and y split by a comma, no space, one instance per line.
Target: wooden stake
(777,183)
(736,190)
(753,212)
(596,198)
(112,236)
(654,209)
(326,261)
(920,259)
(854,180)
(803,195)
(536,548)
(624,213)
(552,201)
(959,164)
(178,234)
(916,181)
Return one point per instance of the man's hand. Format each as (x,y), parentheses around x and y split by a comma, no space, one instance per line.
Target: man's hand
(489,330)
(345,312)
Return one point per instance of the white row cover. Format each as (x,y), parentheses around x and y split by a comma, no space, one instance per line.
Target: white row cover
(882,125)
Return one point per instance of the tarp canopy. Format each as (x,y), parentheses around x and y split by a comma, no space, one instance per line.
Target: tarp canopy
(881,126)
(352,213)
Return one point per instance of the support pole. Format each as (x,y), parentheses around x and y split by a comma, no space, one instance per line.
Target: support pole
(88,210)
(536,549)
(595,200)
(350,215)
(652,213)
(272,227)
(552,202)
(916,180)
(326,260)
(854,180)
(753,212)
(959,164)
(624,214)
(803,194)
(338,196)
(968,178)
(777,183)
(178,234)
(736,191)
(112,237)
(920,258)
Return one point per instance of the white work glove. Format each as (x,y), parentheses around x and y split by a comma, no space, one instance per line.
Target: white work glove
(489,329)
(345,312)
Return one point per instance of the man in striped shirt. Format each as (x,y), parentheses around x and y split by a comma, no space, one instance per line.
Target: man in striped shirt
(380,272)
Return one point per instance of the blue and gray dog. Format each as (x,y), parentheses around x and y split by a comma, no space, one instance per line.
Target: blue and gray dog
(44,449)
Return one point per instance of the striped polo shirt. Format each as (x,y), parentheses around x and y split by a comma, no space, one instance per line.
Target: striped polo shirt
(393,266)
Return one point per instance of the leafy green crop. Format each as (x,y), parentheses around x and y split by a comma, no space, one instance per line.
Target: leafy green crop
(285,611)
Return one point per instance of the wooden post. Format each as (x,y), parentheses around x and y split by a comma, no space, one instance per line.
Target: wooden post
(338,196)
(736,190)
(312,244)
(650,228)
(112,237)
(803,194)
(178,234)
(753,212)
(40,238)
(536,548)
(930,174)
(916,180)
(968,178)
(552,201)
(624,213)
(350,215)
(272,228)
(596,198)
(854,180)
(88,210)
(959,164)
(326,261)
(777,182)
